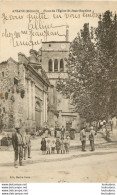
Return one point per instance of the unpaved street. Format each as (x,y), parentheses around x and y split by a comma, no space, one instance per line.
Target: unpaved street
(92,168)
(77,166)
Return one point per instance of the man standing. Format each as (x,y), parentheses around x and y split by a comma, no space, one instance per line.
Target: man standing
(17,141)
(111,124)
(83,138)
(27,147)
(62,132)
(91,138)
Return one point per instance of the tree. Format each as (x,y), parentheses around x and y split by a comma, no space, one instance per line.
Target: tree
(80,68)
(92,70)
(106,82)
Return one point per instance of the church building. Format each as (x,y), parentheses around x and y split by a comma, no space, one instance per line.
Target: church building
(52,56)
(28,89)
(24,90)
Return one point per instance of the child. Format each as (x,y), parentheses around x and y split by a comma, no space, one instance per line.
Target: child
(62,146)
(48,146)
(58,145)
(67,144)
(53,146)
(43,146)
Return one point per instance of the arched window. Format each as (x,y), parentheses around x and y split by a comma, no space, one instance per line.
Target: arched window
(55,65)
(50,65)
(61,65)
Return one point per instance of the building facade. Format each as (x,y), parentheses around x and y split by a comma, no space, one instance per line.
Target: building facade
(28,89)
(23,97)
(52,56)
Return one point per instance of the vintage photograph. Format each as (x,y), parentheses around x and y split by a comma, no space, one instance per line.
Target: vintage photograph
(58,93)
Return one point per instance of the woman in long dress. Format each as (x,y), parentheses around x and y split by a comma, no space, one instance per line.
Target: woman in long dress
(43,146)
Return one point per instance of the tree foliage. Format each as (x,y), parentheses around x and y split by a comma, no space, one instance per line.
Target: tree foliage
(92,69)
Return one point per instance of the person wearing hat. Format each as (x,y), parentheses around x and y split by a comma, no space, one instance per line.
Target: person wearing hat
(83,138)
(91,138)
(62,132)
(27,144)
(17,142)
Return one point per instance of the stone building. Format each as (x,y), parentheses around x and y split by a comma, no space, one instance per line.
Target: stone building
(23,93)
(28,89)
(52,56)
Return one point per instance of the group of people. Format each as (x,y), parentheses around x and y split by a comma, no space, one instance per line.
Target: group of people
(52,131)
(60,145)
(83,137)
(21,141)
(49,145)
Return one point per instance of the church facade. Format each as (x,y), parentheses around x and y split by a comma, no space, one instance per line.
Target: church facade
(23,94)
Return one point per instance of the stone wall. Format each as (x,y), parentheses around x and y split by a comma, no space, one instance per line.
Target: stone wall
(52,106)
(55,46)
(21,91)
(11,95)
(47,55)
(54,50)
(65,111)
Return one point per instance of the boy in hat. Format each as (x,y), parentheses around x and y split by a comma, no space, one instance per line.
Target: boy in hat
(17,141)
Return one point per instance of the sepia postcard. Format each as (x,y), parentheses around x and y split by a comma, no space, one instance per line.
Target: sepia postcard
(58,91)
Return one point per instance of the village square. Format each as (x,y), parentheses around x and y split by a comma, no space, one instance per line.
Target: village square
(58,110)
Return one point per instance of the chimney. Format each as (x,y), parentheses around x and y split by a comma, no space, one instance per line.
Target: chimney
(67,33)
